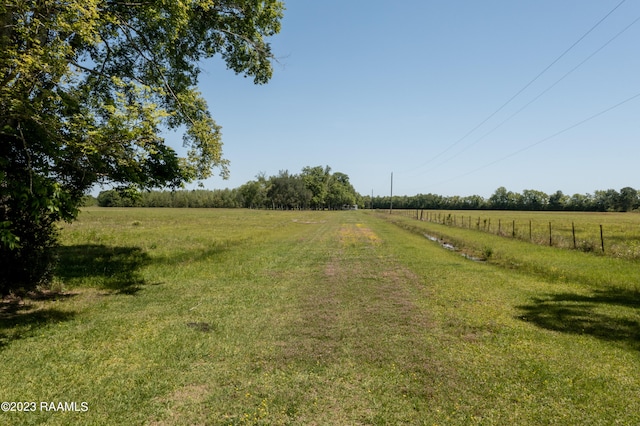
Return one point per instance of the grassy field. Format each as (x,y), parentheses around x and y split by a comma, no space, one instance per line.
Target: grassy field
(620,231)
(185,316)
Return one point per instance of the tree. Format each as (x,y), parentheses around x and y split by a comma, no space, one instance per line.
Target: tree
(86,87)
(254,194)
(628,199)
(532,199)
(317,181)
(605,201)
(558,201)
(341,193)
(504,200)
(288,191)
(581,202)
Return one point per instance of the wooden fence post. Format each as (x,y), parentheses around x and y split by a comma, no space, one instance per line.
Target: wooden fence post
(573,231)
(513,229)
(550,239)
(601,238)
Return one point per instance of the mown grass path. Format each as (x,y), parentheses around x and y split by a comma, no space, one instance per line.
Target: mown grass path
(247,317)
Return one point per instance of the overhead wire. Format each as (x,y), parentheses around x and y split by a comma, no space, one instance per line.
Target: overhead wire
(540,94)
(526,86)
(519,151)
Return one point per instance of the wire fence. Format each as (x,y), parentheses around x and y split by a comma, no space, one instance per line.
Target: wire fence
(586,233)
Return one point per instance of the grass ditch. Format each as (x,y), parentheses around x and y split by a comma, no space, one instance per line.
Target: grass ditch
(550,263)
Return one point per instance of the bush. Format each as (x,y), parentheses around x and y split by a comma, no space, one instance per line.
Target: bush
(30,207)
(32,261)
(586,246)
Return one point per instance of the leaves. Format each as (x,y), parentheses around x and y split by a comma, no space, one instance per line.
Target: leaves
(88,86)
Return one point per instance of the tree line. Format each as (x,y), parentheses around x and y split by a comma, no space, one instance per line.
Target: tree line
(318,188)
(313,188)
(610,200)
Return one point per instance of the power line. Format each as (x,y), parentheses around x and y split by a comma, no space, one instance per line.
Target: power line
(539,95)
(523,89)
(573,126)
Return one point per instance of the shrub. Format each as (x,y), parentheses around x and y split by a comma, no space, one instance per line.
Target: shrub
(32,260)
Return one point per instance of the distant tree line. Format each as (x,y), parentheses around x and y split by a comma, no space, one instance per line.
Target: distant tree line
(313,188)
(319,188)
(610,200)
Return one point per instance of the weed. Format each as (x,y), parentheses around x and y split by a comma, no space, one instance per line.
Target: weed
(586,246)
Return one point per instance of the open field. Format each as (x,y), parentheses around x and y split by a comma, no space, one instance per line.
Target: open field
(572,230)
(197,316)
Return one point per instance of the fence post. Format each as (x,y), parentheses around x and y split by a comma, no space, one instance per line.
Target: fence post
(550,239)
(513,229)
(601,238)
(573,231)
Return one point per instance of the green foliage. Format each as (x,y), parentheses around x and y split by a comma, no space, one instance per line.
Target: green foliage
(317,181)
(86,86)
(288,192)
(285,191)
(610,200)
(28,255)
(315,188)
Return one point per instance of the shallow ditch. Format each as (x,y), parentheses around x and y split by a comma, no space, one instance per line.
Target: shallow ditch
(453,248)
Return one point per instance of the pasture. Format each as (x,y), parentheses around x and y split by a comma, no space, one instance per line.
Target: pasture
(199,316)
(611,234)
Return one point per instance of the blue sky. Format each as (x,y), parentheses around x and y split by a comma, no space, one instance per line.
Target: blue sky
(421,88)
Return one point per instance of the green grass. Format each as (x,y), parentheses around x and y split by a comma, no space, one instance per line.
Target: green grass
(550,263)
(254,317)
(620,231)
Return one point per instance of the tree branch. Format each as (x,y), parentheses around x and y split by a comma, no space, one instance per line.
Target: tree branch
(165,81)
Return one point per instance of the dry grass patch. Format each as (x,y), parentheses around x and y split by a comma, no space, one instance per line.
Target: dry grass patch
(187,399)
(357,234)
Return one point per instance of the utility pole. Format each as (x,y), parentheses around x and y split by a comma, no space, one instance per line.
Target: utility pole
(391,200)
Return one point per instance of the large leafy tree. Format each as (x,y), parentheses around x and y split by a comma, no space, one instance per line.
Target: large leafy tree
(341,193)
(317,180)
(86,86)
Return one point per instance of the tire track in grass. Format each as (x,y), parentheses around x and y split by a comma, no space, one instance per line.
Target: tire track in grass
(361,335)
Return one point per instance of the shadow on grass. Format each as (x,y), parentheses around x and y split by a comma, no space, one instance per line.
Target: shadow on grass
(19,319)
(579,314)
(112,268)
(193,255)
